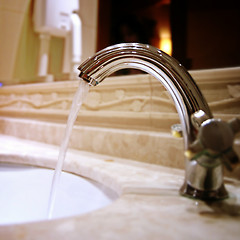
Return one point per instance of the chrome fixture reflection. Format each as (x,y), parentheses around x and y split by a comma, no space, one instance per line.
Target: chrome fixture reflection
(208,141)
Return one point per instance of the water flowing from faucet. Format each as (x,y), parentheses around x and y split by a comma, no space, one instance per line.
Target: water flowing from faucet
(78,100)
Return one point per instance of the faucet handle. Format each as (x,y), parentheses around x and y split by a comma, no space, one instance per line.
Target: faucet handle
(235,125)
(215,141)
(198,118)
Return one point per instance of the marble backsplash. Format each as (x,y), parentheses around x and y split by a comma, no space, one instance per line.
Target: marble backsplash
(125,116)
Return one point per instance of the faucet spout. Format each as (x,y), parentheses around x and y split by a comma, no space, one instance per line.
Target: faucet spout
(186,95)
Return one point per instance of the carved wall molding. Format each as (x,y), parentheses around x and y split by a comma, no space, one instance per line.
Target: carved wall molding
(139,99)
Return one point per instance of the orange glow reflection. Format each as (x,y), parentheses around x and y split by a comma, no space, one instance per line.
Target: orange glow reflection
(165,44)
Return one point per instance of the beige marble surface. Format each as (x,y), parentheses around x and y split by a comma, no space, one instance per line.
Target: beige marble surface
(125,116)
(148,206)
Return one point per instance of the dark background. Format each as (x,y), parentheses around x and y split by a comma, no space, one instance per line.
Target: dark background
(205,34)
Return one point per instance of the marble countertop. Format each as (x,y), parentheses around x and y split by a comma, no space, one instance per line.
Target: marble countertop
(149,205)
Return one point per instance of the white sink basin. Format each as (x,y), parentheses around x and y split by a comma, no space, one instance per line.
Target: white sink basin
(24,194)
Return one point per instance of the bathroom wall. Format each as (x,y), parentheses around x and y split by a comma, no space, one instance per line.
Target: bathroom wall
(12,15)
(20,44)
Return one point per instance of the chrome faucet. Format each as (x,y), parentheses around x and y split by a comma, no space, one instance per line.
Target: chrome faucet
(208,142)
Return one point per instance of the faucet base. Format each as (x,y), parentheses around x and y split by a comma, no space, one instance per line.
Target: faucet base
(205,195)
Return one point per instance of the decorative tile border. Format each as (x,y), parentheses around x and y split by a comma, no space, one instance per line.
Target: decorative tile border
(137,98)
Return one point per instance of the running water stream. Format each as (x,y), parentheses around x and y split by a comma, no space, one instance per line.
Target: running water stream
(78,100)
